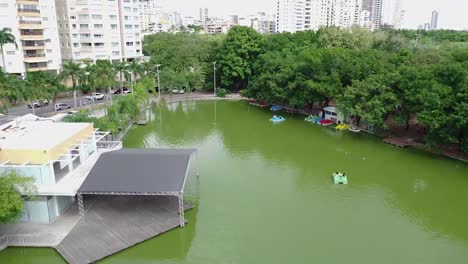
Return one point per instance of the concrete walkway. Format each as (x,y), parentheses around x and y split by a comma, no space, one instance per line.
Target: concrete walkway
(37,234)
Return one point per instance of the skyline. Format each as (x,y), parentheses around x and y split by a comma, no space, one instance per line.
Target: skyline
(418,12)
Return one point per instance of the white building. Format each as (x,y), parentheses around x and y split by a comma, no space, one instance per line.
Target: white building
(99,30)
(290,15)
(34,25)
(263,23)
(58,156)
(296,15)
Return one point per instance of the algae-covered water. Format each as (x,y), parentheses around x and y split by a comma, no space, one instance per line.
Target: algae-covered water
(264,195)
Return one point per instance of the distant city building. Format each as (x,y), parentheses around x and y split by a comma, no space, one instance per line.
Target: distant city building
(374,8)
(296,15)
(434,20)
(106,30)
(398,15)
(34,25)
(264,23)
(290,15)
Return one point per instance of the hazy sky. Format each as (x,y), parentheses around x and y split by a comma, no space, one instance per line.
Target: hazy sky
(452,13)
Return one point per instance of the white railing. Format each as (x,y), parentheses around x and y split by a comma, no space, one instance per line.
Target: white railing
(30,241)
(109,145)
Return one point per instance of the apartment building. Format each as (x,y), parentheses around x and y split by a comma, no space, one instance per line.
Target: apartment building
(99,30)
(373,8)
(33,23)
(326,13)
(57,155)
(290,15)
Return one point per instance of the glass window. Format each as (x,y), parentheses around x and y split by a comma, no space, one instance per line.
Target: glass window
(127,26)
(113,26)
(83,16)
(96,16)
(115,44)
(97,26)
(84,26)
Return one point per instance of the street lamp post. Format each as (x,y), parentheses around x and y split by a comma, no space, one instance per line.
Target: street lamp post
(159,83)
(214,77)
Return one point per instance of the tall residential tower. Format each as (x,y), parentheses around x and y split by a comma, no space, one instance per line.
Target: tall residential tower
(34,25)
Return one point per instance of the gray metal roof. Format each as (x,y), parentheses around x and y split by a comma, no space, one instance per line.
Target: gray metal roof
(139,171)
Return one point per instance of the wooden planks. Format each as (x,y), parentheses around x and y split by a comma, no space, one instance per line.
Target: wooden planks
(114,223)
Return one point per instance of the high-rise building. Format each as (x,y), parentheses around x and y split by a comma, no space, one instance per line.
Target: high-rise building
(434,20)
(290,15)
(263,23)
(374,10)
(398,14)
(34,25)
(295,15)
(106,30)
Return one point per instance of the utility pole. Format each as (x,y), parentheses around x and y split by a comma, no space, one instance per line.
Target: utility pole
(214,77)
(159,83)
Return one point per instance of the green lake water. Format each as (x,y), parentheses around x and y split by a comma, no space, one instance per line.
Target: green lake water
(264,195)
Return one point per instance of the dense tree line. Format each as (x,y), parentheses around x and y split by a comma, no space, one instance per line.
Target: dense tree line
(405,76)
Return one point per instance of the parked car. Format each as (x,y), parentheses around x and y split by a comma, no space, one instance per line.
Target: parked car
(127,92)
(177,91)
(118,91)
(39,104)
(72,112)
(96,96)
(61,106)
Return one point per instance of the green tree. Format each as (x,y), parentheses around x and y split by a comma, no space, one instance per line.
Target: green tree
(72,70)
(36,86)
(12,185)
(103,76)
(122,69)
(10,90)
(6,37)
(237,56)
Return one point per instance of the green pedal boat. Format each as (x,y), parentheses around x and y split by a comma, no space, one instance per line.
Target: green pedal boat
(339,178)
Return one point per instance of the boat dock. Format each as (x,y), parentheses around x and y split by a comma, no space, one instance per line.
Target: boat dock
(111,224)
(114,223)
(398,142)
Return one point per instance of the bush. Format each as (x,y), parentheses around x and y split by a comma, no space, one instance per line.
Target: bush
(464,145)
(11,202)
(221,92)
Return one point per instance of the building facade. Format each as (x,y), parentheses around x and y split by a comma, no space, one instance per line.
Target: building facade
(374,10)
(434,20)
(58,156)
(99,30)
(34,25)
(294,15)
(290,15)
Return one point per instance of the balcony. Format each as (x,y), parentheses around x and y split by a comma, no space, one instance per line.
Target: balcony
(29,24)
(27,2)
(41,66)
(34,47)
(30,12)
(31,35)
(34,58)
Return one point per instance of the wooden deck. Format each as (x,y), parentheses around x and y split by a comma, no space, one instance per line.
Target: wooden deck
(398,142)
(114,223)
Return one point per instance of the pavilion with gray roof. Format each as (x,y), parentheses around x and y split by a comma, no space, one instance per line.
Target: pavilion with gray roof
(139,172)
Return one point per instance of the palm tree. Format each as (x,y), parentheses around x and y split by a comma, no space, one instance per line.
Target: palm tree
(9,89)
(35,87)
(147,67)
(105,75)
(73,70)
(135,69)
(6,38)
(55,86)
(121,68)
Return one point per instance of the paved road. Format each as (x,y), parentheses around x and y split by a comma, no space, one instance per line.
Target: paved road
(43,111)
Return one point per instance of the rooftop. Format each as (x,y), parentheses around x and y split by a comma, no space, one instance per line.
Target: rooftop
(32,132)
(162,171)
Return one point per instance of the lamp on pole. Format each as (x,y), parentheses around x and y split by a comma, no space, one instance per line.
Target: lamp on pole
(214,77)
(159,83)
